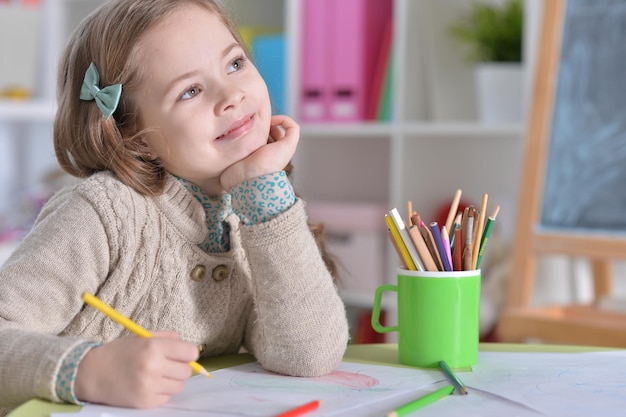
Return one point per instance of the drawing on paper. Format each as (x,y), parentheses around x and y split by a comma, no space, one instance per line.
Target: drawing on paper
(333,382)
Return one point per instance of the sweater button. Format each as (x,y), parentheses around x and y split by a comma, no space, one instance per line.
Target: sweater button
(220,273)
(198,273)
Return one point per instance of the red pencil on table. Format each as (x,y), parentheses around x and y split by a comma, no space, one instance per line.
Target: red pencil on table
(301,410)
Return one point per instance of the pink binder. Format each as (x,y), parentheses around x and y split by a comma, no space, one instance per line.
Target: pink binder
(314,96)
(357,31)
(381,66)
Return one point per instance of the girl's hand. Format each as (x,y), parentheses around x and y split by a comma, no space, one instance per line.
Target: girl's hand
(135,372)
(272,157)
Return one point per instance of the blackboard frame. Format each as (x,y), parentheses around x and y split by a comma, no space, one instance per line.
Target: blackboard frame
(562,324)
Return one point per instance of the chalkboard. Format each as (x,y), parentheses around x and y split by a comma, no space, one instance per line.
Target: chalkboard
(573,187)
(585,185)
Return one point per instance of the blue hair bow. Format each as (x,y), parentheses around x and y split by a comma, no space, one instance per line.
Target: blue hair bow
(107,98)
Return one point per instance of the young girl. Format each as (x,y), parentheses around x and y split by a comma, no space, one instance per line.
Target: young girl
(185,220)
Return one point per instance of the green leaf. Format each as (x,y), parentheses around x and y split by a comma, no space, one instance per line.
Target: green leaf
(493,33)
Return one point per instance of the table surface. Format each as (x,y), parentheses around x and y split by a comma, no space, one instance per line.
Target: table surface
(378,353)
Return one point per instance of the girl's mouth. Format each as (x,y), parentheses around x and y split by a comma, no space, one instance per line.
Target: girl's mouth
(238,129)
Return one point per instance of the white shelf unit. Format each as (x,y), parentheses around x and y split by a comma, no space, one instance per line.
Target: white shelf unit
(26,149)
(433,145)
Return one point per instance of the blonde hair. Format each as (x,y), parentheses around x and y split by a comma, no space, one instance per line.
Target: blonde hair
(84,141)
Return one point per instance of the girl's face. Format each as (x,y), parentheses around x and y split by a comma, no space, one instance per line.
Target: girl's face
(205,103)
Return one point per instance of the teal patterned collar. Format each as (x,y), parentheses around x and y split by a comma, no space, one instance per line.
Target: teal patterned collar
(216,208)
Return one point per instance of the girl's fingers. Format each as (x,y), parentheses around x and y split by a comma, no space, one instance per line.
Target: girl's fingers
(283,126)
(165,335)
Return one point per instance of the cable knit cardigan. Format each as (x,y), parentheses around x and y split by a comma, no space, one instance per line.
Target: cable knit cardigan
(271,293)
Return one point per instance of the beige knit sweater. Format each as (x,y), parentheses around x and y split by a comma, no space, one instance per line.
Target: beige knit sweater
(270,293)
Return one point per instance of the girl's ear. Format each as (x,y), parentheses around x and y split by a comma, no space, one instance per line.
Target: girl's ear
(146,149)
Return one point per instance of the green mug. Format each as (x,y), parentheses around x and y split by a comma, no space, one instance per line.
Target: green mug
(438,317)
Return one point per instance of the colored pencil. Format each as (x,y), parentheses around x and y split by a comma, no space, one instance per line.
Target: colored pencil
(478,229)
(130,325)
(453,209)
(301,410)
(458,247)
(416,219)
(434,229)
(464,221)
(421,402)
(453,378)
(457,254)
(469,243)
(445,238)
(404,252)
(485,237)
(400,225)
(432,246)
(455,225)
(422,249)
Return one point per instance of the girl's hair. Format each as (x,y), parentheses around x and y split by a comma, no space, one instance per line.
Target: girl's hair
(84,141)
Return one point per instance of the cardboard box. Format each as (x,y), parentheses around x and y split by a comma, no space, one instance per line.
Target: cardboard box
(355,236)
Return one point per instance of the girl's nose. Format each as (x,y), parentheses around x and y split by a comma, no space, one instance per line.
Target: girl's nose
(230,96)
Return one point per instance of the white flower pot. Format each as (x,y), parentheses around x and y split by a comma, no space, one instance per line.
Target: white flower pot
(499,92)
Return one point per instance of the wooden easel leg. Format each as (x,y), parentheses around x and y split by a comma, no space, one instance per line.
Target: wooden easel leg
(521,283)
(602,279)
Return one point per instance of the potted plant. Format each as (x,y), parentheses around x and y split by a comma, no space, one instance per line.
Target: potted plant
(494,34)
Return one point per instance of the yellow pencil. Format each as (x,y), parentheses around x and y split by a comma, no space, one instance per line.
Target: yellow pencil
(130,325)
(404,252)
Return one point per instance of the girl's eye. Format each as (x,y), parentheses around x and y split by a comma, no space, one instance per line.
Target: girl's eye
(238,64)
(190,93)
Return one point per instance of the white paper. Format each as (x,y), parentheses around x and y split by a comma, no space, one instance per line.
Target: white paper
(502,384)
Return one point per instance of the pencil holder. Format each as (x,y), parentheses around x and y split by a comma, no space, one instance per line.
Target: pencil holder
(438,317)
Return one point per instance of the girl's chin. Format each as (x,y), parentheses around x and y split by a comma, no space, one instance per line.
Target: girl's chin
(255,145)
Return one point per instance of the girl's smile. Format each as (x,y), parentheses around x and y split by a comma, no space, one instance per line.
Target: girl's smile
(238,129)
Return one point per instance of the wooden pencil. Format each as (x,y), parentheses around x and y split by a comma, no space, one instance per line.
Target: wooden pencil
(478,230)
(457,255)
(455,225)
(416,219)
(464,218)
(453,209)
(432,245)
(422,248)
(468,248)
